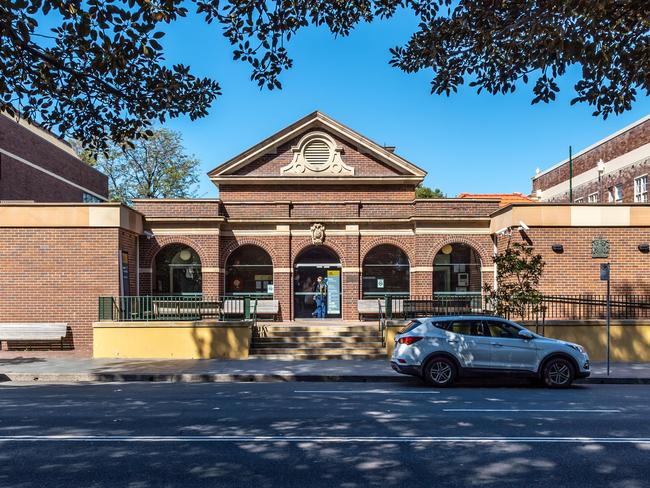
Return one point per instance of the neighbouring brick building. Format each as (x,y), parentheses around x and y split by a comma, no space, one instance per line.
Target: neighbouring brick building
(36,166)
(314,199)
(613,170)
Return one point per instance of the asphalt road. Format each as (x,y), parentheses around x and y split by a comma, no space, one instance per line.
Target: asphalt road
(323,434)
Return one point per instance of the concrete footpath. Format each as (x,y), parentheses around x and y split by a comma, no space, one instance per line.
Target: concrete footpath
(66,370)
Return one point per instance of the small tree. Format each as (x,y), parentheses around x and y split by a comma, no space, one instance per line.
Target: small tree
(422,191)
(154,167)
(518,274)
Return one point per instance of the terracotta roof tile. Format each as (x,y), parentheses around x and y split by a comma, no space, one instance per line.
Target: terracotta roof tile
(505,199)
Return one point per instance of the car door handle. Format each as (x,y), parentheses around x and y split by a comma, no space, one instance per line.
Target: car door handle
(452,341)
(496,344)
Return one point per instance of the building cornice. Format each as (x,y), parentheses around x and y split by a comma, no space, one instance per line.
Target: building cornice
(320,180)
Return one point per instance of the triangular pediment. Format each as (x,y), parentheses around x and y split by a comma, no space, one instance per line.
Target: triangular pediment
(317,148)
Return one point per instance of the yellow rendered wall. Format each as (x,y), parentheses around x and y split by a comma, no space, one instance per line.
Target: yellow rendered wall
(629,343)
(391,332)
(173,340)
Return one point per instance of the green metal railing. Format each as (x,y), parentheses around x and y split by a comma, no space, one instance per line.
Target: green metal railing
(176,307)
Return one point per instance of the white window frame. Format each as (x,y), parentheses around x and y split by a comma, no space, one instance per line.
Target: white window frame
(593,197)
(579,200)
(615,194)
(641,193)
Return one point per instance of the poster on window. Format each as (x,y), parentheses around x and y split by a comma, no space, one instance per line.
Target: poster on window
(333,291)
(124,273)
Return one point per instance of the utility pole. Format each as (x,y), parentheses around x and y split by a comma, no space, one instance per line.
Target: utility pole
(570,176)
(605,276)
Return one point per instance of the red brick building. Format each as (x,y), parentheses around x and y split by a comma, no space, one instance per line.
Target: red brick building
(314,199)
(613,170)
(319,199)
(36,166)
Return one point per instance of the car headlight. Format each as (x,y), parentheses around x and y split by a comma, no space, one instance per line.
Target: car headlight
(577,347)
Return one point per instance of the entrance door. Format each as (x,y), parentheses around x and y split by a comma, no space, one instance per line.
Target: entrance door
(317,261)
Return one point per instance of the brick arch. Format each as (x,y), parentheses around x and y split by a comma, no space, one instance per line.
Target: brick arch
(370,245)
(233,245)
(164,241)
(483,254)
(332,246)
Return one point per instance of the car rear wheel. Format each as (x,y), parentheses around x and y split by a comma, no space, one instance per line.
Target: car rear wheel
(558,373)
(440,372)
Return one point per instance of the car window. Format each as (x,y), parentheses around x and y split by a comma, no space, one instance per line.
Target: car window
(412,325)
(466,327)
(442,325)
(503,329)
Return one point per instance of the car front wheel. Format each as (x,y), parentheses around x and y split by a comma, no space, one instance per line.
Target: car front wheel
(440,372)
(558,373)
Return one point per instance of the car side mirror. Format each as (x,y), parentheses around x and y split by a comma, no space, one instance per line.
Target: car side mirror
(526,335)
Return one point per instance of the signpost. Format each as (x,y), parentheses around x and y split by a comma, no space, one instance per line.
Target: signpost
(604,276)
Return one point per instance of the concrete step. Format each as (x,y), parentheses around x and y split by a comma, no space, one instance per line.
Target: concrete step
(318,351)
(318,333)
(257,344)
(336,329)
(301,356)
(316,338)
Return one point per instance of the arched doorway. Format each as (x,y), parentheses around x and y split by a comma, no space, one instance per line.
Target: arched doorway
(177,271)
(309,265)
(457,275)
(385,271)
(249,272)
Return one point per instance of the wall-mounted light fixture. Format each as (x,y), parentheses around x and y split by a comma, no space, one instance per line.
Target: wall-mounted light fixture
(644,247)
(557,248)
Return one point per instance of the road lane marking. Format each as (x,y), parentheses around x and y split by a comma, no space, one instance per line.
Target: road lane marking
(327,439)
(373,392)
(539,410)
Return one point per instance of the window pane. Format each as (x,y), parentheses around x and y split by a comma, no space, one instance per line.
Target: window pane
(249,271)
(386,271)
(457,269)
(467,327)
(503,329)
(177,270)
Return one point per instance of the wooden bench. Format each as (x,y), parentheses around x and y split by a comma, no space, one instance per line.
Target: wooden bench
(181,310)
(235,307)
(33,332)
(268,307)
(370,306)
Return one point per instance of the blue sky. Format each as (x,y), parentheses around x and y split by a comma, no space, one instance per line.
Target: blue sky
(467,142)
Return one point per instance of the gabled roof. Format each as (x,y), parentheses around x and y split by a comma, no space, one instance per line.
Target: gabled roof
(314,121)
(505,199)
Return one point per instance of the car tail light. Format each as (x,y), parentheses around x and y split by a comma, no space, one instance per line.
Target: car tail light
(408,340)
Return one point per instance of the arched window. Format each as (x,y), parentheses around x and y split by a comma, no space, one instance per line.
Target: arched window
(177,271)
(386,271)
(457,271)
(249,271)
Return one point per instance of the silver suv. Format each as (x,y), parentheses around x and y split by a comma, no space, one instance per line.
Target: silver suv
(440,349)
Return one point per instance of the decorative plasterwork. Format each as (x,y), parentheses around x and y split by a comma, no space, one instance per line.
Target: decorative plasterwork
(317,234)
(317,154)
(405,172)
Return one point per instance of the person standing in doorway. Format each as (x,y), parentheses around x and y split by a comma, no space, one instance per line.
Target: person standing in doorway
(320,297)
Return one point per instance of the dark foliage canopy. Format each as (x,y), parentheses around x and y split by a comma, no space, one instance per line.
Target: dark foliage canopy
(100,73)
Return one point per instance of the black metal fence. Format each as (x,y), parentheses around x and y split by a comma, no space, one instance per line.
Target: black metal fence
(585,307)
(165,308)
(551,307)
